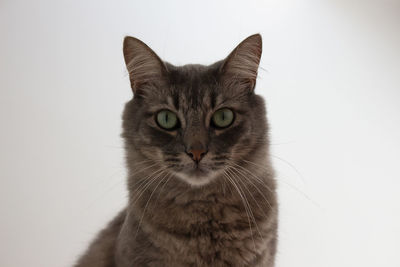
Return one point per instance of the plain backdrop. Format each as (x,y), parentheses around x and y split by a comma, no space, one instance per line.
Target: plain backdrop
(330,74)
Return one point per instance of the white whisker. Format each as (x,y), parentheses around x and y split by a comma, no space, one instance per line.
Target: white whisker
(244,204)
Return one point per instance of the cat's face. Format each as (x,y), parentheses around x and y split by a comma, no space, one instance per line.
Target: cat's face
(194,120)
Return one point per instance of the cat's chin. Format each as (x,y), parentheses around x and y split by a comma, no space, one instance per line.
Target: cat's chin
(197,177)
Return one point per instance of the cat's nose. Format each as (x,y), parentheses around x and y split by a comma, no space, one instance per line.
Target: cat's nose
(196,154)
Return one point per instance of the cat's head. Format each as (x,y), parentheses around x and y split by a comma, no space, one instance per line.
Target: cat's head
(194,120)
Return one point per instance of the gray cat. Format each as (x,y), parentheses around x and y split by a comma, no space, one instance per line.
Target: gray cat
(201,186)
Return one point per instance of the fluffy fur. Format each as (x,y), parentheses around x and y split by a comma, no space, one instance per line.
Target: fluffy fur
(221,211)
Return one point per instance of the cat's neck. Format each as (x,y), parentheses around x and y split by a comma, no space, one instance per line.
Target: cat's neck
(176,203)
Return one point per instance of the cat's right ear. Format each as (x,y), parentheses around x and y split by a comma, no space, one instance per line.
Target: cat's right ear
(143,64)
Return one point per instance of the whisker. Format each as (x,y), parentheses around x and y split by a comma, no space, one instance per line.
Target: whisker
(244,204)
(143,179)
(292,166)
(255,186)
(302,193)
(220,158)
(148,201)
(258,179)
(143,188)
(288,184)
(161,189)
(172,160)
(248,204)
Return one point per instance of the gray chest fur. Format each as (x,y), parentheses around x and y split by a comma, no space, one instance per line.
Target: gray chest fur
(212,232)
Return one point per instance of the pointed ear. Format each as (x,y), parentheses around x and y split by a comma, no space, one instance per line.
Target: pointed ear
(241,66)
(143,65)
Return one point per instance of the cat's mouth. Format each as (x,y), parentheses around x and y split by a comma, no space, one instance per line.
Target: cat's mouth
(197,174)
(198,170)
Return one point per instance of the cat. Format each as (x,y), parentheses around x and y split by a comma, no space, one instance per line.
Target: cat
(201,186)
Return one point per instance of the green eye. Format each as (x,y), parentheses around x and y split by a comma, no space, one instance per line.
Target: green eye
(223,117)
(167,119)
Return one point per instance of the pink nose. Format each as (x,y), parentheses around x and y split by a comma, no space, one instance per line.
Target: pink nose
(197,154)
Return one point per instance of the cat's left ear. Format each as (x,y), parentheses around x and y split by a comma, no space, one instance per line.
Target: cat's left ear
(240,68)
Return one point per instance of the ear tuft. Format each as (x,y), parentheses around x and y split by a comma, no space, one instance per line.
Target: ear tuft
(242,64)
(143,65)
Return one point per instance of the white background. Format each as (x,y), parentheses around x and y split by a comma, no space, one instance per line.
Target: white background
(330,75)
